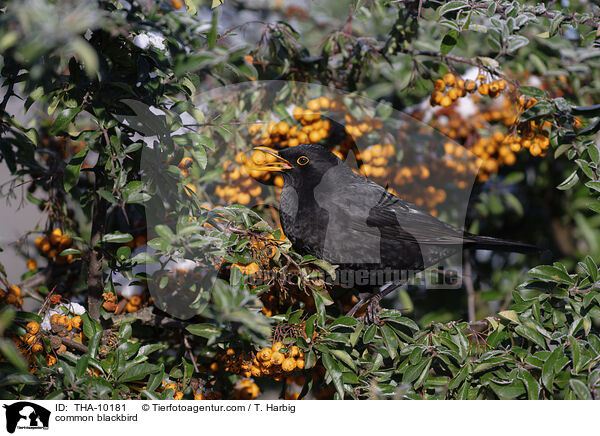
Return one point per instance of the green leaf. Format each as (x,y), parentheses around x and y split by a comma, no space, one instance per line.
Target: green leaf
(10,353)
(569,182)
(548,369)
(63,119)
(533,387)
(449,41)
(334,371)
(204,330)
(138,372)
(344,357)
(369,334)
(117,238)
(580,389)
(390,339)
(309,327)
(460,377)
(451,7)
(345,321)
(320,306)
(531,335)
(550,273)
(71,173)
(510,315)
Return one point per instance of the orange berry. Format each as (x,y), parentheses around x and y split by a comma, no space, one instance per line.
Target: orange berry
(55,236)
(449,79)
(277,358)
(76,322)
(314,105)
(288,364)
(31,264)
(324,102)
(446,101)
(265,354)
(470,85)
(484,89)
(15,290)
(33,327)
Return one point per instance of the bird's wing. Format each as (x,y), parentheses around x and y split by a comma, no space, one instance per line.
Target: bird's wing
(388,212)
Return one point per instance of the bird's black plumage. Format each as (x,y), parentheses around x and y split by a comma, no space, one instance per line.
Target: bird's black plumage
(329,211)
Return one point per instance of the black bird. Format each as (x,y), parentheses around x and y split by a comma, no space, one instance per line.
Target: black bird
(332,213)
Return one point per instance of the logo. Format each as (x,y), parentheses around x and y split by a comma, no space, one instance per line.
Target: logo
(26,415)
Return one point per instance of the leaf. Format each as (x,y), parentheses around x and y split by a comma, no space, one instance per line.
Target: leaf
(309,327)
(532,91)
(204,330)
(390,339)
(71,173)
(334,371)
(344,357)
(593,185)
(549,273)
(320,305)
(414,372)
(117,238)
(450,7)
(63,119)
(531,335)
(569,182)
(449,41)
(10,353)
(191,7)
(533,387)
(580,389)
(345,321)
(548,369)
(510,315)
(369,334)
(138,372)
(515,42)
(459,378)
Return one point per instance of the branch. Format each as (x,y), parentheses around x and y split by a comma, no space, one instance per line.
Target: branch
(94,282)
(147,317)
(69,343)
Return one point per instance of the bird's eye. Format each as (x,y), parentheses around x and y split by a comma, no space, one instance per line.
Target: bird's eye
(303,160)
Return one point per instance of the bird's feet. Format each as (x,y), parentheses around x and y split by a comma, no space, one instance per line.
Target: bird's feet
(371,313)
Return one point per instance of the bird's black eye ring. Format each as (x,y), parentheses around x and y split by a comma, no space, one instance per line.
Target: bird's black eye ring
(303,160)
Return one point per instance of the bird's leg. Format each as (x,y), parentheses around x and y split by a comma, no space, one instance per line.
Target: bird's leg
(357,306)
(371,316)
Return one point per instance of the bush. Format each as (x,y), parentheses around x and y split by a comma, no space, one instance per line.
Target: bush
(92,318)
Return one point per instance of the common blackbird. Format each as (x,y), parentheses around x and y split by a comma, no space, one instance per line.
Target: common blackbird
(332,213)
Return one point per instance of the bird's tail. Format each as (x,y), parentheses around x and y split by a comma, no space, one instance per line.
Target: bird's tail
(489,243)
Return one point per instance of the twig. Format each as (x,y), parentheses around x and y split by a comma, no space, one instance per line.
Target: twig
(148,317)
(71,344)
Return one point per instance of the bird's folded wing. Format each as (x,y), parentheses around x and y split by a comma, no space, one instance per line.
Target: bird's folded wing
(390,213)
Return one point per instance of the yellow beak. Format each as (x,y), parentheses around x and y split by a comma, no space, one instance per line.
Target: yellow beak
(270,162)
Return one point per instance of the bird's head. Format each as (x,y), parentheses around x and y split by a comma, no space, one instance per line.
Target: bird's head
(302,165)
